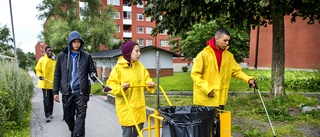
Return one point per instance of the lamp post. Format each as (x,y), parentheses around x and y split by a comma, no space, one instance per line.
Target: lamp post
(14,40)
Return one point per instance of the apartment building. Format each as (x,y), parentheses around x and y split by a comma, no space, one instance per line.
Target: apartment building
(133,25)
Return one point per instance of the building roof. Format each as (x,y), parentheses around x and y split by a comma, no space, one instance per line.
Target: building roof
(117,52)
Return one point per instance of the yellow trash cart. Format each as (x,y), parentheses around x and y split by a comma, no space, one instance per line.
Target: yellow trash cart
(220,120)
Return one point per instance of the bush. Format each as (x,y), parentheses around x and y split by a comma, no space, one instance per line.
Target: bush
(185,68)
(16,90)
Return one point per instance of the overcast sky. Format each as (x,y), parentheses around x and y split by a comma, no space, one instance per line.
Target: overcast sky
(26,25)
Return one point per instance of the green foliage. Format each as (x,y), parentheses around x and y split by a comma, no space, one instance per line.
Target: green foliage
(195,40)
(185,68)
(96,26)
(249,108)
(179,16)
(16,90)
(22,58)
(5,39)
(116,45)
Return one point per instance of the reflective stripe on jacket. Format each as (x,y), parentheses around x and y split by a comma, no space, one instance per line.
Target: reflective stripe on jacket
(45,67)
(135,75)
(206,77)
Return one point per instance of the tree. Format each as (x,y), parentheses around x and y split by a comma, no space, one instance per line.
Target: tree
(5,40)
(195,40)
(22,58)
(179,15)
(94,22)
(31,59)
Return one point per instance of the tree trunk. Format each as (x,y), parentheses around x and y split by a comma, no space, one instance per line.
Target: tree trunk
(278,56)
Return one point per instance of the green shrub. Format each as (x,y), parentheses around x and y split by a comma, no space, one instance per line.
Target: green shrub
(16,88)
(185,68)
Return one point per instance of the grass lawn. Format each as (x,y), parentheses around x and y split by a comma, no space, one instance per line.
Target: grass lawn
(181,81)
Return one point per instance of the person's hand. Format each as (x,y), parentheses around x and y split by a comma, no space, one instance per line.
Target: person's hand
(41,77)
(106,89)
(93,76)
(211,94)
(56,98)
(125,86)
(252,83)
(151,84)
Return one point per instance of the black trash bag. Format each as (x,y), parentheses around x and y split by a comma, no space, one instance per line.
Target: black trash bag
(187,121)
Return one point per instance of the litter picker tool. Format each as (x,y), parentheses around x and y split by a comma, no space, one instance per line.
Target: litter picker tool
(256,87)
(103,86)
(48,80)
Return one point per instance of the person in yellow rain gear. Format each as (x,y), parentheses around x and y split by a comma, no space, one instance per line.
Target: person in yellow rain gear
(45,72)
(128,72)
(212,71)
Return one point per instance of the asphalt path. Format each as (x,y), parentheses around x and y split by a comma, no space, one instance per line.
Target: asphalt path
(101,118)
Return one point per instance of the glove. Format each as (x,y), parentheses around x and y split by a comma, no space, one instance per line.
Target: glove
(41,77)
(106,89)
(253,85)
(93,76)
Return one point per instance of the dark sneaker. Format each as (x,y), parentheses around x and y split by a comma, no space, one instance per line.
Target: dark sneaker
(51,117)
(48,119)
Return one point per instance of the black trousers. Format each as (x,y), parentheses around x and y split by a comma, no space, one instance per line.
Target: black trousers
(75,111)
(48,101)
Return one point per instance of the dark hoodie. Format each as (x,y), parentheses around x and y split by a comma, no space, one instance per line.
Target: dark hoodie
(73,68)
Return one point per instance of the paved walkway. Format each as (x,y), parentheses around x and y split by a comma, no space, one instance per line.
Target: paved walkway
(101,118)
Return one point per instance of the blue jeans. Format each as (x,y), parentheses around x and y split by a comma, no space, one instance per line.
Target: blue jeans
(130,131)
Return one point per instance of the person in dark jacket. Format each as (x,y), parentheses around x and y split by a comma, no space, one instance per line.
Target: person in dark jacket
(71,77)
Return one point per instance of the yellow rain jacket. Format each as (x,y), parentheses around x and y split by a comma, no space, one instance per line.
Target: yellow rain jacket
(45,67)
(135,75)
(206,77)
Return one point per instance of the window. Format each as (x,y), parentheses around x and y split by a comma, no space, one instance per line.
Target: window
(127,15)
(164,43)
(148,18)
(41,47)
(140,5)
(164,32)
(118,27)
(114,2)
(41,52)
(127,3)
(139,29)
(83,6)
(148,30)
(148,42)
(82,12)
(140,42)
(116,15)
(139,17)
(127,28)
(160,17)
